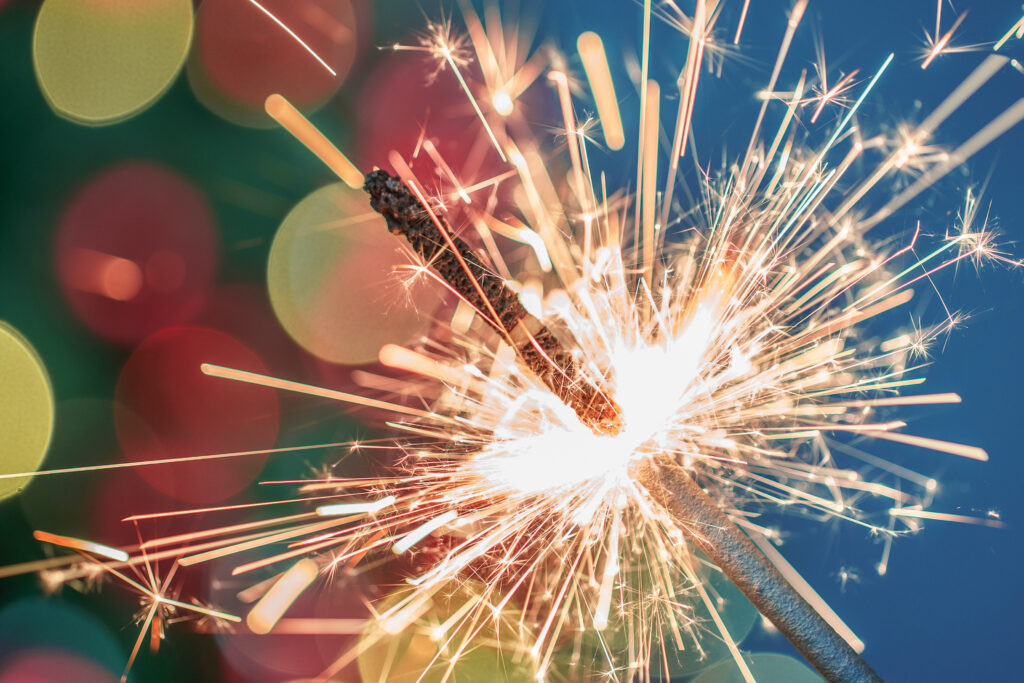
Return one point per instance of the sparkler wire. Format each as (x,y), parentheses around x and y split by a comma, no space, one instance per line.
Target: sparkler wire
(728,547)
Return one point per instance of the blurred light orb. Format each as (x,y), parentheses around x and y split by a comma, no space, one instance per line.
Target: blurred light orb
(49,641)
(422,651)
(502,103)
(100,62)
(332,279)
(26,409)
(766,667)
(175,411)
(52,666)
(246,52)
(136,251)
(318,628)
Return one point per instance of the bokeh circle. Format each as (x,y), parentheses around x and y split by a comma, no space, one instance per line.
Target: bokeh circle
(244,52)
(766,667)
(46,637)
(333,282)
(136,251)
(26,409)
(102,62)
(175,411)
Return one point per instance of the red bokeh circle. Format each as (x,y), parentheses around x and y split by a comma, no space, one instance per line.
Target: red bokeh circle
(176,411)
(53,666)
(242,54)
(400,100)
(136,250)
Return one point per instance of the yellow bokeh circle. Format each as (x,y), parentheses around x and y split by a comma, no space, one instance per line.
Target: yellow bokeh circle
(102,61)
(431,649)
(26,409)
(336,281)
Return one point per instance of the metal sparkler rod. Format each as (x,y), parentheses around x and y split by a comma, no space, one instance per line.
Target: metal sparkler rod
(667,483)
(747,567)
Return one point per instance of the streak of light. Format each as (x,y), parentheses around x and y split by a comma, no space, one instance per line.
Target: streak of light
(223,508)
(319,626)
(649,160)
(355,508)
(79,544)
(446,52)
(432,152)
(608,576)
(743,19)
(920,399)
(259,541)
(595,65)
(423,530)
(856,105)
(946,517)
(963,450)
(298,387)
(292,33)
(198,609)
(723,631)
(1017,28)
(395,356)
(104,274)
(795,17)
(292,120)
(687,83)
(172,461)
(272,606)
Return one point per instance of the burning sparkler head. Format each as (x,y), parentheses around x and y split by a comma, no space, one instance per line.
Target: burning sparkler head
(464,272)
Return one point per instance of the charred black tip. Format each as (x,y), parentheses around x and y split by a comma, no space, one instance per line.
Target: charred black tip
(392,199)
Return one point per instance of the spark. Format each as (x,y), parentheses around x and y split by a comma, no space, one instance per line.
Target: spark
(271,607)
(1016,31)
(939,45)
(595,64)
(449,51)
(282,111)
(79,544)
(355,508)
(286,385)
(300,41)
(424,530)
(946,517)
(826,94)
(159,603)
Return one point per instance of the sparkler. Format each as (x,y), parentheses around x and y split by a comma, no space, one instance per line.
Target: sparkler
(574,456)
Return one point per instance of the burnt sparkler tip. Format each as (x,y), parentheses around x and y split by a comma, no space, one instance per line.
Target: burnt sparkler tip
(392,199)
